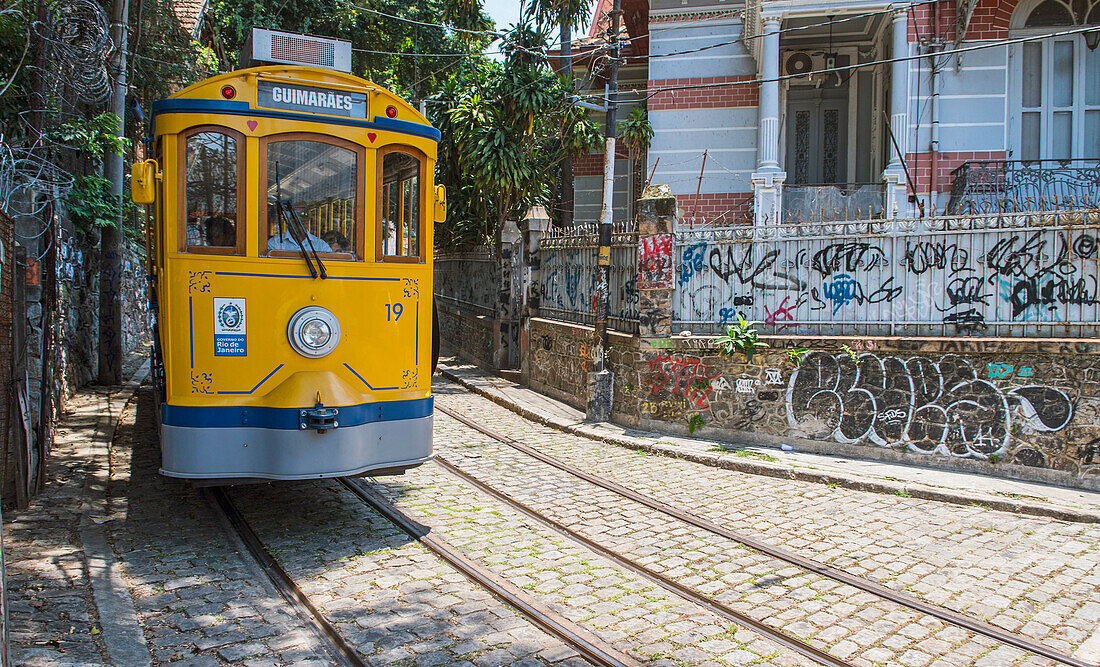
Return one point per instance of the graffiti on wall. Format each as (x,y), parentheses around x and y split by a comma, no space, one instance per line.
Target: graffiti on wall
(655,262)
(569,281)
(942,407)
(966,279)
(948,407)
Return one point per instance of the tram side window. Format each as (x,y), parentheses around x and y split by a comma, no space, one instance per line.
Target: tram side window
(401,217)
(211,191)
(319,180)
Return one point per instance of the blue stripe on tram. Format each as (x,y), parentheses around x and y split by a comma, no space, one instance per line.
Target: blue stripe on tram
(287,418)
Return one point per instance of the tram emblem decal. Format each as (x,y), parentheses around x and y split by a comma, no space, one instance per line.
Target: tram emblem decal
(311,100)
(229,328)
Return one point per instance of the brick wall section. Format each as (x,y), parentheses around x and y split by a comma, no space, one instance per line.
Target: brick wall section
(740,92)
(989,21)
(592,164)
(716,208)
(920,165)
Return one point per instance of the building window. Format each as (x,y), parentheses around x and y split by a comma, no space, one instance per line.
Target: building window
(1059,88)
(319,179)
(211,173)
(400,210)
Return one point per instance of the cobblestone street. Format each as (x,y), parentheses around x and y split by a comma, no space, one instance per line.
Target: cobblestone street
(185,592)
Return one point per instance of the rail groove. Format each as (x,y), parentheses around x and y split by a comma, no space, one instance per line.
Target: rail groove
(683,591)
(591,647)
(861,583)
(335,642)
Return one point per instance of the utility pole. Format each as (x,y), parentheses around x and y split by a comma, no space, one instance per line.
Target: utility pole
(600,381)
(110,245)
(567,73)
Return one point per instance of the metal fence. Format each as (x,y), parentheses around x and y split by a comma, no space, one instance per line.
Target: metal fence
(1003,186)
(567,266)
(1011,275)
(466,280)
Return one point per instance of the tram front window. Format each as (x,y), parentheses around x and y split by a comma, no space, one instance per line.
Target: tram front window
(211,174)
(319,180)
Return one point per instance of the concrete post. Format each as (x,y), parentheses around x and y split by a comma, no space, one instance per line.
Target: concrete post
(897,202)
(767,180)
(656,268)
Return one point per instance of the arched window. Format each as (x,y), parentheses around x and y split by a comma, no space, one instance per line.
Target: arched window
(1059,84)
(211,196)
(400,199)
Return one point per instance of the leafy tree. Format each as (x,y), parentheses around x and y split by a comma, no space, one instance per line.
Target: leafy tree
(504,130)
(382,42)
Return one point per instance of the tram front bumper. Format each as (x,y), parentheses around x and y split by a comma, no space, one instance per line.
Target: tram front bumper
(242,452)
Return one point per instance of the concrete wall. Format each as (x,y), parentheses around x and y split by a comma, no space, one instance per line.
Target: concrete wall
(466,335)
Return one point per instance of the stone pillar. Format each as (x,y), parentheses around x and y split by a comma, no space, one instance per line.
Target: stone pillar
(656,265)
(767,180)
(534,226)
(897,201)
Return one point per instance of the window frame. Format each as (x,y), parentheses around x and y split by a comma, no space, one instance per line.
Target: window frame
(1079,107)
(181,187)
(359,252)
(422,159)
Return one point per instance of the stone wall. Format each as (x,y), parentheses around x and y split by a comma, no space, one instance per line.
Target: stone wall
(466,335)
(1027,409)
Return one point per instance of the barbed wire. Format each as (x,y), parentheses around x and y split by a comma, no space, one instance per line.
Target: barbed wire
(77,32)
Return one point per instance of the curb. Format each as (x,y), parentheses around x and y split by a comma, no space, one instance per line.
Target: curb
(122,632)
(782,471)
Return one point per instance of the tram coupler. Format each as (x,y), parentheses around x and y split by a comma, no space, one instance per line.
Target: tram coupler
(318,418)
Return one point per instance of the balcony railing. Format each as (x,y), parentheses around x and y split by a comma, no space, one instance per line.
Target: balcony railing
(1020,186)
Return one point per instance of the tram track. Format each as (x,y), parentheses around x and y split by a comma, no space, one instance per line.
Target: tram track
(283,582)
(861,583)
(591,647)
(587,644)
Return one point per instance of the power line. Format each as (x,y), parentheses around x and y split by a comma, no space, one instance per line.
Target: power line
(426,24)
(845,68)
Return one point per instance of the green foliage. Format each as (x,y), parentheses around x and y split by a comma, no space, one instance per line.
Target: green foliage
(91,204)
(504,128)
(740,337)
(696,423)
(381,41)
(994,458)
(548,12)
(636,131)
(796,355)
(852,354)
(93,136)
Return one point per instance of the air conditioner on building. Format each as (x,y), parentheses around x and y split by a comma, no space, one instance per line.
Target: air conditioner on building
(809,63)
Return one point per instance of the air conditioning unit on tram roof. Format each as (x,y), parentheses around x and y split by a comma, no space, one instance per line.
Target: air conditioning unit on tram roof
(288,48)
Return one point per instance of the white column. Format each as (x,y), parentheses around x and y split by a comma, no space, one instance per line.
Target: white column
(767,150)
(899,87)
(896,202)
(767,180)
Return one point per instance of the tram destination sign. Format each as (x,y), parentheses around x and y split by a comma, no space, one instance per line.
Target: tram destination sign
(290,97)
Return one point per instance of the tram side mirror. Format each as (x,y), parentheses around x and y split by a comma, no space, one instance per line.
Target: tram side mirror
(143,182)
(441,203)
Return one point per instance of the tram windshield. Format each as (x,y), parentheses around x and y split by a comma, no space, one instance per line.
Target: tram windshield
(318,180)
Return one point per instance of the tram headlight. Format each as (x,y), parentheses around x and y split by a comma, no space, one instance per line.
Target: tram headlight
(313,332)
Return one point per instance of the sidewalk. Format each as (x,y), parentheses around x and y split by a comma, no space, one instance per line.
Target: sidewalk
(866,475)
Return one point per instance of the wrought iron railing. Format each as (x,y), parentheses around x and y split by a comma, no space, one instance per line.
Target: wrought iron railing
(567,269)
(971,276)
(1025,186)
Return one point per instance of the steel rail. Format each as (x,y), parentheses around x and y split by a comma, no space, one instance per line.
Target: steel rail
(591,647)
(335,642)
(686,592)
(810,564)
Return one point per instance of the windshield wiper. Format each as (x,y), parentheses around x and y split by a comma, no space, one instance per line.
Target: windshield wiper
(289,215)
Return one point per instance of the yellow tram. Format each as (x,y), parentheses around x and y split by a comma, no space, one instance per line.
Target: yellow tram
(291,262)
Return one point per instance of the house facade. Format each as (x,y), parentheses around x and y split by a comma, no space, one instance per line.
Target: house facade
(780,111)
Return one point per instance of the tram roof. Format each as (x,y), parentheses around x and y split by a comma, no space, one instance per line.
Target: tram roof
(296,74)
